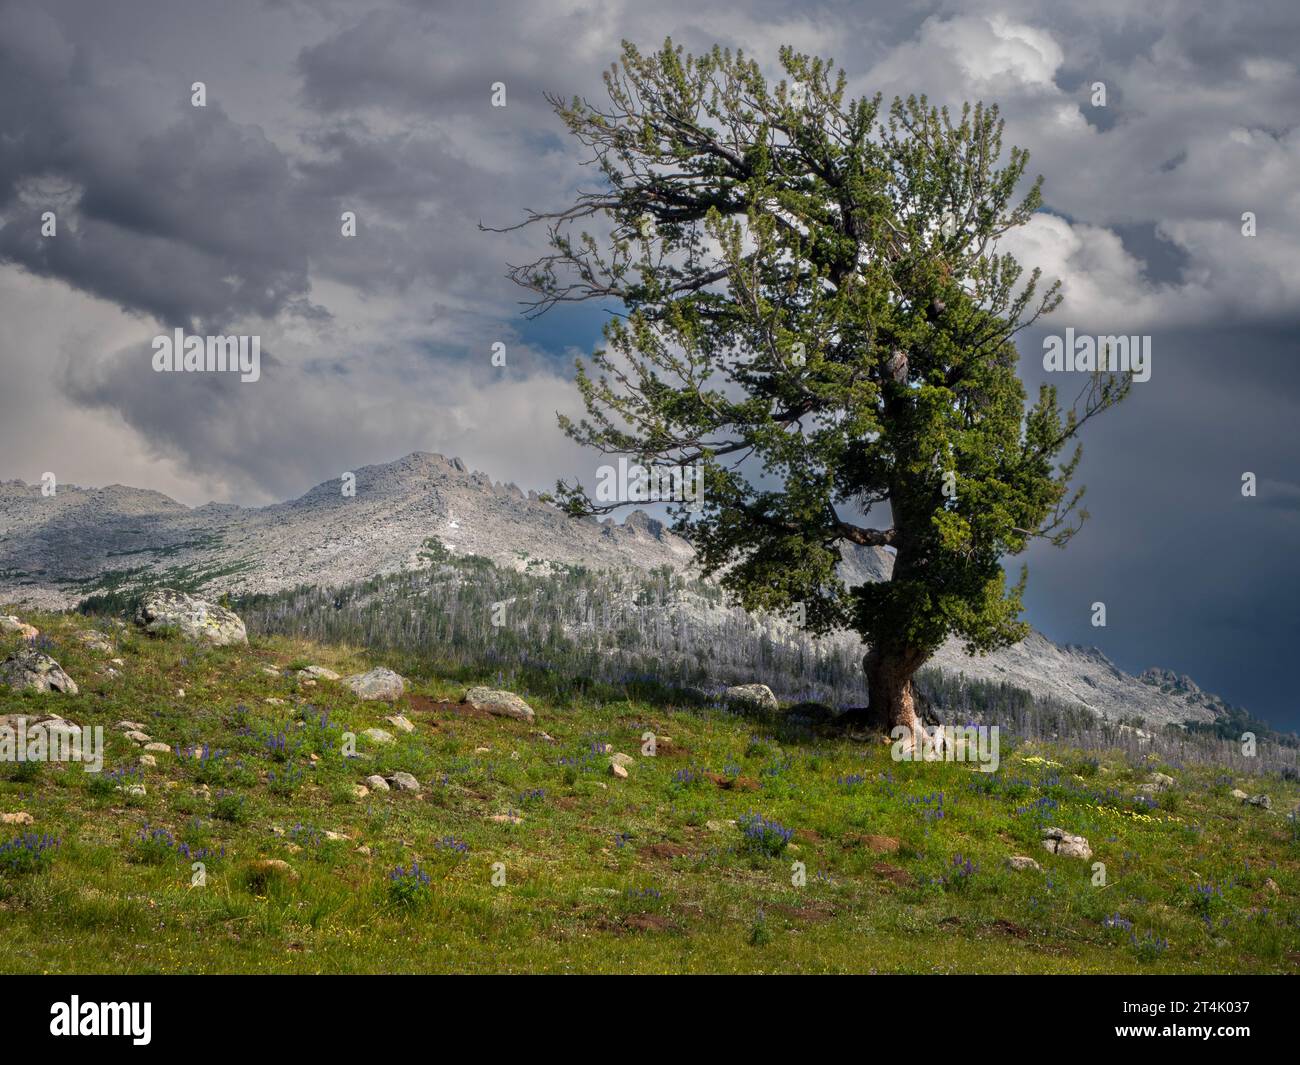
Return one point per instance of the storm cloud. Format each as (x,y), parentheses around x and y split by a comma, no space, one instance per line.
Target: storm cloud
(227,218)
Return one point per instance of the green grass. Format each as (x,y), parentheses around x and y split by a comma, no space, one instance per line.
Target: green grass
(601,875)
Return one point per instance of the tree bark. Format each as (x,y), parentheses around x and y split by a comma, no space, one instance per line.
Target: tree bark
(892,698)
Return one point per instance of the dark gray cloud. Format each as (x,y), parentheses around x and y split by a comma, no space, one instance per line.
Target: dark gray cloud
(228,217)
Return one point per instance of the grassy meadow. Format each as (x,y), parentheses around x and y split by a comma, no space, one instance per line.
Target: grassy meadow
(521,851)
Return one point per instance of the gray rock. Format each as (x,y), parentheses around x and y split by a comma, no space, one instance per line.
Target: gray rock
(399,722)
(35,671)
(500,703)
(404,782)
(1262,801)
(378,735)
(756,695)
(624,760)
(1021,861)
(377,783)
(1058,841)
(167,610)
(95,641)
(138,737)
(317,673)
(1162,781)
(380,683)
(1240,795)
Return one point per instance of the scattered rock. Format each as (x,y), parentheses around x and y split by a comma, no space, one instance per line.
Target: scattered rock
(378,735)
(155,746)
(95,641)
(380,683)
(1237,793)
(137,790)
(270,671)
(400,723)
(35,671)
(617,771)
(507,819)
(138,737)
(1270,885)
(404,782)
(758,696)
(273,701)
(624,760)
(500,703)
(377,783)
(317,673)
(167,610)
(129,726)
(10,624)
(360,790)
(1162,781)
(1058,841)
(1021,861)
(148,760)
(719,826)
(20,818)
(1261,801)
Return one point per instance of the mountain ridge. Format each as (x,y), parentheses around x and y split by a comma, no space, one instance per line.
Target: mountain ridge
(57,550)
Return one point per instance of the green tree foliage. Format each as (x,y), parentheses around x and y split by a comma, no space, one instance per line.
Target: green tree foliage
(814,310)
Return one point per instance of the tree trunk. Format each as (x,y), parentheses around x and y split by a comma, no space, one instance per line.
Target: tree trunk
(893,700)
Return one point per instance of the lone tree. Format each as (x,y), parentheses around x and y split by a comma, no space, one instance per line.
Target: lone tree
(811,309)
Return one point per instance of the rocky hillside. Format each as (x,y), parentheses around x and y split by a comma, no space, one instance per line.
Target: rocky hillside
(56,551)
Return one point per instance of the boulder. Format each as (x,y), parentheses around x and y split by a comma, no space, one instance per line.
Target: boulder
(1058,841)
(1262,801)
(376,783)
(381,683)
(1021,861)
(95,641)
(10,624)
(404,782)
(167,610)
(378,735)
(35,671)
(758,696)
(317,673)
(500,703)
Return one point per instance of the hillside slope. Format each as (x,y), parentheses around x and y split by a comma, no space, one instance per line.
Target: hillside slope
(504,845)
